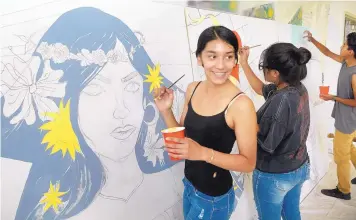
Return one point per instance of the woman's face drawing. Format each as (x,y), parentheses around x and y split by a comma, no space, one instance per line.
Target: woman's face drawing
(111,110)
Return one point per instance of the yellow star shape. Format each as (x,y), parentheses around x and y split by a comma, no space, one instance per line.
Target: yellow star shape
(60,135)
(154,77)
(51,198)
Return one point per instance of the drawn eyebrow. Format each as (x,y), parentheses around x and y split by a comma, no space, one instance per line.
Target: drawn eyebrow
(129,76)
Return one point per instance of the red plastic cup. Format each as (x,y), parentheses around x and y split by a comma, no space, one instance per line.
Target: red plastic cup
(177,132)
(324,90)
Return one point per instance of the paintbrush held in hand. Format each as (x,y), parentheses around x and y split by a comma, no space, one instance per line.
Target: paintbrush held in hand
(247,47)
(158,97)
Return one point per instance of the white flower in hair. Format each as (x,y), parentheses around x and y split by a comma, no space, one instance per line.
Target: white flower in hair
(118,54)
(85,57)
(60,53)
(25,95)
(99,57)
(113,56)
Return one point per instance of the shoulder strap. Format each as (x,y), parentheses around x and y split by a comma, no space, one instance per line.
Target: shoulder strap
(232,101)
(194,91)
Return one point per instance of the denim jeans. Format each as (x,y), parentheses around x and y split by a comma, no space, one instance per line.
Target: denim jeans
(278,195)
(197,205)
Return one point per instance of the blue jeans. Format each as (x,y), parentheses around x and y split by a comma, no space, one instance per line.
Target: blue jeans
(278,195)
(197,205)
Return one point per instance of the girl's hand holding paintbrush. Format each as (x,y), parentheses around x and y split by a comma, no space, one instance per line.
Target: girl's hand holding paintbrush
(163,98)
(244,52)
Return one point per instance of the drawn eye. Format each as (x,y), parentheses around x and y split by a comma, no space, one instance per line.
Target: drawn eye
(93,90)
(132,87)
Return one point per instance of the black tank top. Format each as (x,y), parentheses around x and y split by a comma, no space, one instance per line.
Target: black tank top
(211,132)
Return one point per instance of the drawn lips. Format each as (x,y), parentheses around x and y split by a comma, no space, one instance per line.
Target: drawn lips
(122,133)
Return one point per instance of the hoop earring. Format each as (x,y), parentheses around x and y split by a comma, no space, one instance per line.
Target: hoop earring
(156,116)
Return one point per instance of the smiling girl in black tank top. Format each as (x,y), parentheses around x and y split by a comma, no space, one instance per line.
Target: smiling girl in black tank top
(215,115)
(214,133)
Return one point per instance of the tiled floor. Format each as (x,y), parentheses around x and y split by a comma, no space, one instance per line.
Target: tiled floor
(316,206)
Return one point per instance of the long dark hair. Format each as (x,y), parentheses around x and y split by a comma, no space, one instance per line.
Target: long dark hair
(288,60)
(214,33)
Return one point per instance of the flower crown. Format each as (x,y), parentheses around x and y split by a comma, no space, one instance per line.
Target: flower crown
(60,53)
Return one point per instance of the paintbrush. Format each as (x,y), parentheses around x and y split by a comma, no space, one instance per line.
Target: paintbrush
(251,47)
(176,81)
(171,85)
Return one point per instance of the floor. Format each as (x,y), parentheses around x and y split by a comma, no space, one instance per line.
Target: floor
(316,206)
